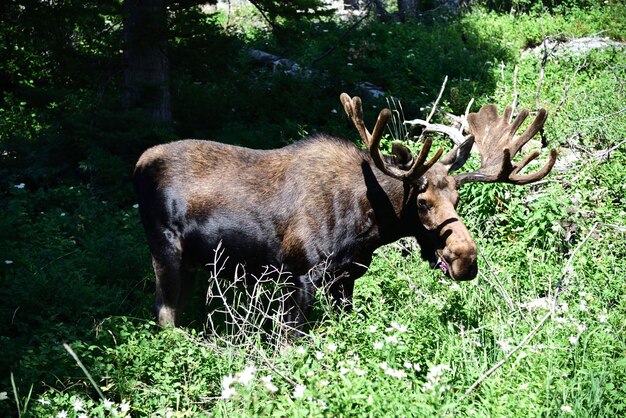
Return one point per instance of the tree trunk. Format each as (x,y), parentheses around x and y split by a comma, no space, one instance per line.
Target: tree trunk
(381,11)
(146,70)
(407,9)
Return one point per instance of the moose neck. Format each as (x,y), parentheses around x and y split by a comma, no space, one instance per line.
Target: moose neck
(393,203)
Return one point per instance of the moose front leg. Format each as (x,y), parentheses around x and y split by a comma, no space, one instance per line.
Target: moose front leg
(297,305)
(341,292)
(341,288)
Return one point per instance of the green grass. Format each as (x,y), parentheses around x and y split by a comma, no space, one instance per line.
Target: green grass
(75,267)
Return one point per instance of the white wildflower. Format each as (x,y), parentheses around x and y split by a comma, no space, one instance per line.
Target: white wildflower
(247,375)
(310,373)
(62,414)
(322,404)
(298,391)
(333,111)
(136,206)
(301,351)
(407,365)
(331,347)
(566,409)
(124,407)
(439,369)
(20,186)
(384,365)
(434,379)
(505,345)
(107,404)
(539,303)
(603,317)
(228,393)
(392,339)
(3,396)
(271,387)
(417,367)
(227,381)
(267,381)
(43,401)
(319,355)
(583,306)
(8,261)
(62,214)
(398,327)
(573,340)
(83,415)
(428,386)
(324,383)
(343,371)
(78,405)
(400,374)
(372,328)
(360,372)
(378,345)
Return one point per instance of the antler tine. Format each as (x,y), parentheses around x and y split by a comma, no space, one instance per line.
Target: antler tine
(419,167)
(495,139)
(354,110)
(536,176)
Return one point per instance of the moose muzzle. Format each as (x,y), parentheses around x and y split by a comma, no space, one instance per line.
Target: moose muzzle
(458,256)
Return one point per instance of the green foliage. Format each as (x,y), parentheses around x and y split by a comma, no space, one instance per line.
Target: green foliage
(75,266)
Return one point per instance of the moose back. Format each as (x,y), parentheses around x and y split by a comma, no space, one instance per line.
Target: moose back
(319,202)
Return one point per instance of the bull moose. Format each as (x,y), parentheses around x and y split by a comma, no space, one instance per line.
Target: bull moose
(322,200)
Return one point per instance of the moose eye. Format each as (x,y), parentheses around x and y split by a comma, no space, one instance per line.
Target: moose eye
(422,204)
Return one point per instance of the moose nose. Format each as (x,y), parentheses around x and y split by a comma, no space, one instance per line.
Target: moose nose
(467,272)
(462,263)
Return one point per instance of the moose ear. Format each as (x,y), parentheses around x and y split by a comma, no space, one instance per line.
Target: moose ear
(402,156)
(456,157)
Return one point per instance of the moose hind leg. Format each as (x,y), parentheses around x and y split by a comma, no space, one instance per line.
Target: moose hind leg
(168,286)
(168,268)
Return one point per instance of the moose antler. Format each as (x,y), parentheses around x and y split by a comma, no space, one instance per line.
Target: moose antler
(495,138)
(354,110)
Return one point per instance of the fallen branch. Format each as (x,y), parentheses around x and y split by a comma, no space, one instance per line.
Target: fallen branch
(455,134)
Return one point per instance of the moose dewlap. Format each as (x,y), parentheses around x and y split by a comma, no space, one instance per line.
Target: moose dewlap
(320,202)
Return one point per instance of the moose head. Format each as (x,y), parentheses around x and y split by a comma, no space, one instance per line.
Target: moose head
(444,240)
